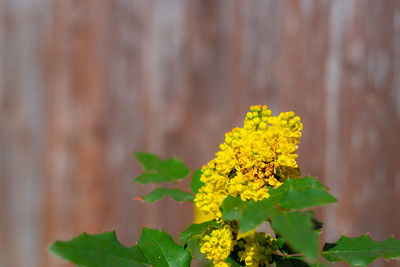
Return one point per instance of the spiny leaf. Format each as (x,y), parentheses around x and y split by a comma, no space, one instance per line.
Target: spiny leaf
(161,250)
(232,208)
(152,177)
(150,162)
(301,193)
(361,251)
(197,229)
(162,192)
(291,262)
(194,247)
(296,229)
(233,262)
(159,171)
(196,184)
(317,224)
(255,213)
(284,247)
(99,250)
(174,168)
(249,213)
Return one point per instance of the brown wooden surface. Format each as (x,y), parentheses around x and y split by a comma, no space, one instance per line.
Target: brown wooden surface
(84,84)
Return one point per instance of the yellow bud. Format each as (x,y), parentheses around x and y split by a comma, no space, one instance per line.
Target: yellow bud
(249,260)
(256,120)
(297,134)
(300,127)
(281,161)
(263,125)
(291,163)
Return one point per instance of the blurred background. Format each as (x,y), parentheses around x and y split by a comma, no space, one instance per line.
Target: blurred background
(84,84)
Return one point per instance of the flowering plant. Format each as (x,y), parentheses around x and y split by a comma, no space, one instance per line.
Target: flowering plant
(253,182)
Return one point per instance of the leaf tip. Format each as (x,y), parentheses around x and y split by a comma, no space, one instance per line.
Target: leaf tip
(139,199)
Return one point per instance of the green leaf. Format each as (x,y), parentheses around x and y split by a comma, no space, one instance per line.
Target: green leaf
(194,247)
(150,162)
(158,171)
(296,229)
(301,193)
(99,250)
(284,246)
(232,208)
(174,168)
(152,177)
(281,242)
(161,250)
(361,251)
(196,184)
(291,262)
(197,229)
(317,225)
(249,213)
(255,213)
(162,192)
(233,262)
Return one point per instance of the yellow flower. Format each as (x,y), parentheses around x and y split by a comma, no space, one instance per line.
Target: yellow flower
(257,249)
(222,264)
(254,158)
(218,245)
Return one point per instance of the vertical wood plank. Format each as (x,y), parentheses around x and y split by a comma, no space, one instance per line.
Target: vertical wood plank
(21,132)
(84,84)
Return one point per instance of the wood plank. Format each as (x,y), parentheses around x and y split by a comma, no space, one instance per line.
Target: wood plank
(84,84)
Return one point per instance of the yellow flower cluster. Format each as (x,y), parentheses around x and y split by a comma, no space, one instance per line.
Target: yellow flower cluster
(253,158)
(258,249)
(218,245)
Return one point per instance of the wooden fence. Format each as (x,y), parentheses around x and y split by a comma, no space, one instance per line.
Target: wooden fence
(84,84)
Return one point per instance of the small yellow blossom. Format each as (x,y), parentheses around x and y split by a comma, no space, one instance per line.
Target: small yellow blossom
(218,245)
(222,264)
(257,249)
(254,158)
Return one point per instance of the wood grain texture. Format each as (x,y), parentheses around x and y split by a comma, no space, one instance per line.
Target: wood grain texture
(84,84)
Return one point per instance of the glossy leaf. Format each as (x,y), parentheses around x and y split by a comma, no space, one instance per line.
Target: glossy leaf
(159,171)
(197,229)
(175,193)
(317,225)
(291,262)
(249,213)
(232,208)
(174,168)
(301,193)
(152,177)
(161,250)
(233,262)
(296,229)
(194,247)
(99,250)
(150,162)
(196,184)
(362,250)
(284,247)
(295,262)
(255,213)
